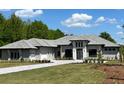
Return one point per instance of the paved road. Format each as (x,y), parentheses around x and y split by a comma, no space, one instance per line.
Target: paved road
(34,66)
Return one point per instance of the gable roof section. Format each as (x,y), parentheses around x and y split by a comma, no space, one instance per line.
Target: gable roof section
(22,44)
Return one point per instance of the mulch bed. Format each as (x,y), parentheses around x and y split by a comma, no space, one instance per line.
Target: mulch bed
(114,72)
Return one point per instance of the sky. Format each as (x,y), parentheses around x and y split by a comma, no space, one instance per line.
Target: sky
(76,21)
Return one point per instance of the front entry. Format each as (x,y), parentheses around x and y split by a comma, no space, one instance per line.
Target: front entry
(79,54)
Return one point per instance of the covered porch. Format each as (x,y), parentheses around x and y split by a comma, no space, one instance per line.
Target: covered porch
(14,54)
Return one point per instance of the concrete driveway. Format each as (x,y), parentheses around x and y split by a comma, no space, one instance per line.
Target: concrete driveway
(35,66)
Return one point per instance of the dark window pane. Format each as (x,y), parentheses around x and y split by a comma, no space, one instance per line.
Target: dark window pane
(113,49)
(92,53)
(110,49)
(106,49)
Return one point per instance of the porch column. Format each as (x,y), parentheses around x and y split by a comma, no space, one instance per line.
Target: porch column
(74,51)
(8,54)
(61,54)
(20,54)
(84,50)
(74,54)
(99,50)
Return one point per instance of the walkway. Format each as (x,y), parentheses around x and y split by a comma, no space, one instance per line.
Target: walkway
(34,66)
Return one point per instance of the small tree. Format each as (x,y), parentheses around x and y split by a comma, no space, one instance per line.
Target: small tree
(99,55)
(121,51)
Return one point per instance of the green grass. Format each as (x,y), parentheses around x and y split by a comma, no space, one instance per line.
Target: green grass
(13,64)
(114,62)
(69,73)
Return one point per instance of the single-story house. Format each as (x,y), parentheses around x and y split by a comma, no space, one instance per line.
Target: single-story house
(68,47)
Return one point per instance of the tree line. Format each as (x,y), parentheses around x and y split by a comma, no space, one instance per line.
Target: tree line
(14,29)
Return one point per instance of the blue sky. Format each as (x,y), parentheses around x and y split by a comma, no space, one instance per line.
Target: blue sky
(76,21)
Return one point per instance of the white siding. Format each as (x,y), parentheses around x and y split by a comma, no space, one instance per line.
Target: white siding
(42,53)
(47,53)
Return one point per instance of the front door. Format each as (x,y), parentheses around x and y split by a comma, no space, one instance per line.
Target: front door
(79,54)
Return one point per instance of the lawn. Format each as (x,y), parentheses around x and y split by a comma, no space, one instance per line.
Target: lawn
(65,74)
(13,64)
(114,62)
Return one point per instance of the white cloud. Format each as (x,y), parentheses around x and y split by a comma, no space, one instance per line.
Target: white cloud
(120,33)
(80,17)
(106,20)
(78,20)
(112,20)
(100,19)
(85,21)
(79,25)
(119,26)
(28,13)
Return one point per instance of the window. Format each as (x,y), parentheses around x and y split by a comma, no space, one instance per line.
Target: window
(76,44)
(106,49)
(58,54)
(14,55)
(68,53)
(113,49)
(11,55)
(92,53)
(110,49)
(79,44)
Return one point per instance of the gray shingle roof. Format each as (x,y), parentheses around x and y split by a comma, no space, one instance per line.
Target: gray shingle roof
(22,44)
(93,40)
(67,40)
(34,42)
(42,42)
(63,41)
(96,40)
